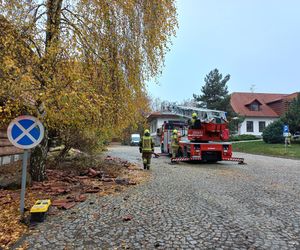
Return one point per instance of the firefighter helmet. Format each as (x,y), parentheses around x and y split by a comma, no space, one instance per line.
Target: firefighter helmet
(175,131)
(146,131)
(194,115)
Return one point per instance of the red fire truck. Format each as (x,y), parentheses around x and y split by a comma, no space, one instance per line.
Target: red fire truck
(166,131)
(205,140)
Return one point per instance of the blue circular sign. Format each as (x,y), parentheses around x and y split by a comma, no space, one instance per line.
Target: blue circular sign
(25,132)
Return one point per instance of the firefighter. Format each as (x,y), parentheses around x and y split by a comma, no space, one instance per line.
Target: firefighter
(146,148)
(193,120)
(174,143)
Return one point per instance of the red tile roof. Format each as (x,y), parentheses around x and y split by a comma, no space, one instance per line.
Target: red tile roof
(288,97)
(239,100)
(253,100)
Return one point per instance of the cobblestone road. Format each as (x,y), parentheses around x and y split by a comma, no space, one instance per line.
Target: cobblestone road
(189,206)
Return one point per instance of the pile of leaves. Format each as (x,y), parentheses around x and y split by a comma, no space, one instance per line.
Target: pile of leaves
(67,184)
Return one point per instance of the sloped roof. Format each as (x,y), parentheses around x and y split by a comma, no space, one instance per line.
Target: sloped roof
(292,96)
(252,101)
(239,100)
(154,115)
(288,97)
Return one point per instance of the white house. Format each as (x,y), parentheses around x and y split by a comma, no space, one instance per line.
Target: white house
(157,119)
(259,109)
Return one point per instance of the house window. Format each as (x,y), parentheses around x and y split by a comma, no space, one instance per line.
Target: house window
(249,126)
(261,126)
(153,127)
(254,106)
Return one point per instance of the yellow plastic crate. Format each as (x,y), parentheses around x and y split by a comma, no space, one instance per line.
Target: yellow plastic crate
(40,206)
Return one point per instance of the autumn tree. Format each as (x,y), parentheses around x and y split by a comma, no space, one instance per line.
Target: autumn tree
(80,65)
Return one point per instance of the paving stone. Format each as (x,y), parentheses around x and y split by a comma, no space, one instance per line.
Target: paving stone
(192,206)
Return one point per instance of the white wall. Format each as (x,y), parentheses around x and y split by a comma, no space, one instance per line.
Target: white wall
(256,120)
(157,123)
(154,125)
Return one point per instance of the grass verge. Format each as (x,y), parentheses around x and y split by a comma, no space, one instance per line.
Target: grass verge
(262,148)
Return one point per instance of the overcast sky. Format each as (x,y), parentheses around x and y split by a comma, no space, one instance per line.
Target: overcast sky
(257,42)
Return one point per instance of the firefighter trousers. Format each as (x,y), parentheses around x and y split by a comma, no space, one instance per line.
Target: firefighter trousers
(147,159)
(174,151)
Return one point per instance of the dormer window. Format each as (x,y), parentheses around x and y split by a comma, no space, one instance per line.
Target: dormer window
(254,105)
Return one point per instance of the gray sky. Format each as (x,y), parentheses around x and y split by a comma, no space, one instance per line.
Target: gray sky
(255,41)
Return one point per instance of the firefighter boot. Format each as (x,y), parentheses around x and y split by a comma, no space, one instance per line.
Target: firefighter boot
(145,163)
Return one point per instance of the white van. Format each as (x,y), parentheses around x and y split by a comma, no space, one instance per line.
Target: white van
(135,139)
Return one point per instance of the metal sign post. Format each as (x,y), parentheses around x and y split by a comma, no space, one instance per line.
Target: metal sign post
(25,132)
(23,185)
(285,142)
(285,135)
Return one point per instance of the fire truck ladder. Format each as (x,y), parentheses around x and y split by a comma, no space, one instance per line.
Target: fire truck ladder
(187,111)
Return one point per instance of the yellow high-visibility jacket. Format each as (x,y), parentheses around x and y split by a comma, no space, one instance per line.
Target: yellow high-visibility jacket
(174,141)
(146,144)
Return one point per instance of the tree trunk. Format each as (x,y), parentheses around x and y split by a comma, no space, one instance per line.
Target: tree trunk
(39,154)
(38,160)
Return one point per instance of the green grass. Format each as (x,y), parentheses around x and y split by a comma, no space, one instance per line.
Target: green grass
(262,148)
(242,137)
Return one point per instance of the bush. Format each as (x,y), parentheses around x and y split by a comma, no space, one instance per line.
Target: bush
(89,142)
(273,132)
(243,137)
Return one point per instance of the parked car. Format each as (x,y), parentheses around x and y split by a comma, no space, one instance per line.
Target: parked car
(296,135)
(135,139)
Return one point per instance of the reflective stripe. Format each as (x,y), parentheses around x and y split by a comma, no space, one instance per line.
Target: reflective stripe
(194,158)
(147,141)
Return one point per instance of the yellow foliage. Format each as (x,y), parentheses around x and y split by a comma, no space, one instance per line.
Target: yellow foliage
(85,64)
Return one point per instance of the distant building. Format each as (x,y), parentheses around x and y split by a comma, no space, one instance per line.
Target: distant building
(259,109)
(156,120)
